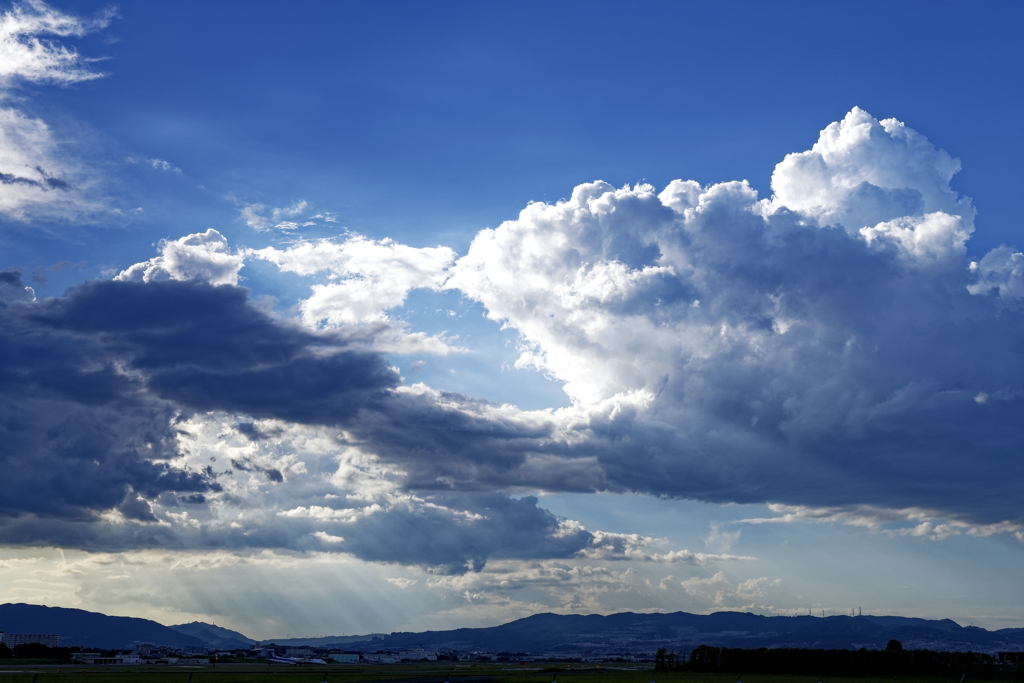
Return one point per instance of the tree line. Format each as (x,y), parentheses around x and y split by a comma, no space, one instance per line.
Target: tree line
(893,661)
(37,651)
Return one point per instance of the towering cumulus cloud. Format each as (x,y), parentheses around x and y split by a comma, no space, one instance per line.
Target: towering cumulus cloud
(832,350)
(829,345)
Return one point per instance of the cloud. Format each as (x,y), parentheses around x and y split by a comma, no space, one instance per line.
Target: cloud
(402,583)
(255,216)
(26,56)
(756,348)
(366,279)
(102,388)
(719,539)
(252,217)
(862,172)
(202,256)
(744,595)
(371,276)
(633,547)
(38,179)
(12,289)
(96,384)
(1002,269)
(156,164)
(916,522)
(836,355)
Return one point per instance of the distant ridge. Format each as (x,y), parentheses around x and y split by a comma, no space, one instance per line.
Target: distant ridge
(326,640)
(89,629)
(628,632)
(565,635)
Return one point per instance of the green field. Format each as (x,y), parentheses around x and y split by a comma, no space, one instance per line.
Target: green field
(401,673)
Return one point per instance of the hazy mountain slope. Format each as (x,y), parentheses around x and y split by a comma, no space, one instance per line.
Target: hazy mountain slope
(216,636)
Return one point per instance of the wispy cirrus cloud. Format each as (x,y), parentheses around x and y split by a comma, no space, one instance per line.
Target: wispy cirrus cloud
(38,178)
(931,524)
(28,55)
(155,164)
(261,218)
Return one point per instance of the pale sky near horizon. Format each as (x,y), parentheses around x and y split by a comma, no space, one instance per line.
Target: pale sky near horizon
(359,317)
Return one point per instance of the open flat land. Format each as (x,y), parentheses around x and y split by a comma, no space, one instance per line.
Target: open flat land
(433,673)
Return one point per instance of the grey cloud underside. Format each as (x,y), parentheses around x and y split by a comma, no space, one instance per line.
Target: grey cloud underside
(95,383)
(507,528)
(870,398)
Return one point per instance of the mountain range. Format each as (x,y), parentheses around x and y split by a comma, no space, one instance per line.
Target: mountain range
(90,630)
(565,635)
(635,633)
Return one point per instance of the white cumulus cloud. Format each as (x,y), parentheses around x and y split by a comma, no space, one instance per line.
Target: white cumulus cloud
(1002,269)
(369,277)
(202,256)
(862,172)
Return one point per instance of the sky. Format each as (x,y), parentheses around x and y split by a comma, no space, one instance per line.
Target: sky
(346,318)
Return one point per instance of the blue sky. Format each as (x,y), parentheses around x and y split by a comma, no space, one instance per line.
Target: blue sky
(331,296)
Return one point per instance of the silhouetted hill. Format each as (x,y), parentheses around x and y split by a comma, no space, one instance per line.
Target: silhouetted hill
(628,632)
(216,636)
(550,633)
(89,629)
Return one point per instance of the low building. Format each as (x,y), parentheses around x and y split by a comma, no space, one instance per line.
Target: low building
(13,640)
(380,658)
(193,661)
(95,658)
(346,658)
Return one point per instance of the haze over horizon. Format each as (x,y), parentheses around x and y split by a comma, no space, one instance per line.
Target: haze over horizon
(363,317)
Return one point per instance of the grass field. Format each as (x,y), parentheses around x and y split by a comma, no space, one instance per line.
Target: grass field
(421,673)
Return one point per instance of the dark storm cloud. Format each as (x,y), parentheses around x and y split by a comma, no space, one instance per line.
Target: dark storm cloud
(94,382)
(12,289)
(445,535)
(482,527)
